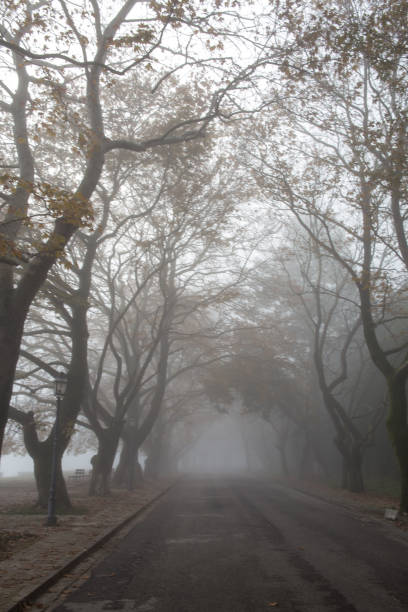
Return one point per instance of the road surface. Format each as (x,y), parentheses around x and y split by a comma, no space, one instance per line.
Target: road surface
(242,545)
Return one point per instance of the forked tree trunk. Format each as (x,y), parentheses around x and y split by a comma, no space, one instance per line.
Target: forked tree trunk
(102,462)
(129,473)
(41,453)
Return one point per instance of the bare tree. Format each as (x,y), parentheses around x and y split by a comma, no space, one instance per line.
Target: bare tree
(61,79)
(343,106)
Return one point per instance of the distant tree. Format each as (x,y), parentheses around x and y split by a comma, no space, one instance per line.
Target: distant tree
(330,303)
(268,368)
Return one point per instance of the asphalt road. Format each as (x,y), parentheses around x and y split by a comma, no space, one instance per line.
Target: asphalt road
(235,545)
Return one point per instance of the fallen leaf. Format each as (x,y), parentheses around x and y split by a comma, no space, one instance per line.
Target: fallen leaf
(273,604)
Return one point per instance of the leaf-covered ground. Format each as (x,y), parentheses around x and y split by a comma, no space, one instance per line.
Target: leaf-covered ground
(12,541)
(30,551)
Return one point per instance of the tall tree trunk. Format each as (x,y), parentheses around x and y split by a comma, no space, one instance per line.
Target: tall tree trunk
(352,465)
(356,484)
(344,474)
(318,455)
(161,461)
(11,329)
(134,470)
(156,403)
(102,462)
(398,431)
(42,472)
(396,382)
(119,477)
(129,473)
(152,465)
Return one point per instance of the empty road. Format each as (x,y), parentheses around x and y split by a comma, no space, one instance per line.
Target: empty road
(235,545)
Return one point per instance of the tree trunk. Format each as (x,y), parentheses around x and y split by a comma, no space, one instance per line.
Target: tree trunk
(134,471)
(356,480)
(41,453)
(10,339)
(352,477)
(119,477)
(155,407)
(352,465)
(344,474)
(398,431)
(318,456)
(68,411)
(152,462)
(102,462)
(161,462)
(42,471)
(129,473)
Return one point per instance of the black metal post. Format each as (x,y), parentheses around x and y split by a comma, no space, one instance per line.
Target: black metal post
(52,517)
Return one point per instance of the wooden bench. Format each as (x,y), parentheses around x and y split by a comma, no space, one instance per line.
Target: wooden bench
(78,474)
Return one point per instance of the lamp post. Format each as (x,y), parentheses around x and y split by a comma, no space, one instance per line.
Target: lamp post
(60,388)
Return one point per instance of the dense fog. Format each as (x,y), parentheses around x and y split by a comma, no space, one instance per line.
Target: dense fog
(203,242)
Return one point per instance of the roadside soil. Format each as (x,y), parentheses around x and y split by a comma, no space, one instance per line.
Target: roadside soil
(364,503)
(30,551)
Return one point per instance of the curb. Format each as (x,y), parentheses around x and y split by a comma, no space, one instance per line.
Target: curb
(28,598)
(376,516)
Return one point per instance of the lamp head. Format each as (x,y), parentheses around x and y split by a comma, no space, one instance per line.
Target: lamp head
(60,384)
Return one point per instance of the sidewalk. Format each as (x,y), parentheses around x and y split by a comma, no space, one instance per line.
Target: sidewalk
(34,553)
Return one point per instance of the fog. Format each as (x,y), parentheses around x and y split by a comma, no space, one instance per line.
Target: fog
(17,465)
(232,444)
(219,247)
(221,449)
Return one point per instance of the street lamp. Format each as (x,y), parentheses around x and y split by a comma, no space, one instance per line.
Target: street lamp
(60,388)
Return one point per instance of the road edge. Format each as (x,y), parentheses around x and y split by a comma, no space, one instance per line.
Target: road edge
(28,598)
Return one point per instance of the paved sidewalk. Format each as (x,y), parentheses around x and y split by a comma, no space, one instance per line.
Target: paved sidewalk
(47,550)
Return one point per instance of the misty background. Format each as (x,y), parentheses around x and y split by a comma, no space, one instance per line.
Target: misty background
(203,229)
